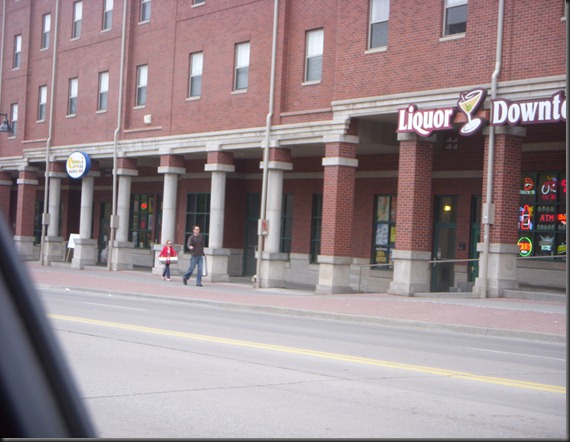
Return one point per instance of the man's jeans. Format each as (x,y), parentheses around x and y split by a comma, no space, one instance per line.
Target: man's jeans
(195,260)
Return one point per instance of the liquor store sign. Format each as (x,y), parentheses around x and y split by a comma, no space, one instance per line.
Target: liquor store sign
(469,113)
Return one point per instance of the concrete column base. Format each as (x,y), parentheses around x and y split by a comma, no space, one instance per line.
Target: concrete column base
(411,273)
(122,256)
(501,270)
(25,247)
(84,254)
(334,275)
(217,261)
(54,250)
(273,270)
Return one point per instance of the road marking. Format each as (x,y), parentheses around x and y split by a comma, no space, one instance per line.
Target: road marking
(325,355)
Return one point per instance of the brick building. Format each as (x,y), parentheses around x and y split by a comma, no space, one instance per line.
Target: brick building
(372,137)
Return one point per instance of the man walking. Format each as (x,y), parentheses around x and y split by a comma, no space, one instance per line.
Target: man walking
(196,245)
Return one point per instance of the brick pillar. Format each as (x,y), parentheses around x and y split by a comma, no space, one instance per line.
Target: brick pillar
(502,214)
(5,195)
(340,165)
(25,212)
(414,216)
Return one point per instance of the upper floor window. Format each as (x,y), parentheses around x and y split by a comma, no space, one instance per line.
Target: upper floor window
(77,17)
(17,51)
(14,118)
(198,2)
(455,20)
(145,10)
(42,103)
(379,14)
(196,63)
(242,66)
(314,55)
(46,28)
(72,102)
(102,100)
(107,15)
(142,77)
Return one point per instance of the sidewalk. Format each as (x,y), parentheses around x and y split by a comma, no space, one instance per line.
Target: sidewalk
(528,319)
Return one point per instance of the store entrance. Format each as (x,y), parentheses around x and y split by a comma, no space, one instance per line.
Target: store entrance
(252,212)
(442,274)
(104,231)
(475,234)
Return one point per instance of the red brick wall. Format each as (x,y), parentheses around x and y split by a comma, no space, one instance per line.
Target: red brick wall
(26,204)
(414,225)
(338,202)
(506,186)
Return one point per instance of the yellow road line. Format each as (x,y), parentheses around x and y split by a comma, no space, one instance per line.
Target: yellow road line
(324,355)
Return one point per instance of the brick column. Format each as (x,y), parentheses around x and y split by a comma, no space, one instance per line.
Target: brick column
(122,252)
(25,212)
(414,216)
(219,164)
(272,260)
(340,165)
(503,213)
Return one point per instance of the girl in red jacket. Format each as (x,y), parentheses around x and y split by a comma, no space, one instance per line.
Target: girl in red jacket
(167,252)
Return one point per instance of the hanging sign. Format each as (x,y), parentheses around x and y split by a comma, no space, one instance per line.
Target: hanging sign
(78,165)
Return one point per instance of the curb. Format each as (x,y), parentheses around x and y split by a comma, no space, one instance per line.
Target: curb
(471,329)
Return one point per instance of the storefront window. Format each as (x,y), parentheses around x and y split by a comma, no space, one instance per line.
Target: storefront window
(144,228)
(384,229)
(542,214)
(197,214)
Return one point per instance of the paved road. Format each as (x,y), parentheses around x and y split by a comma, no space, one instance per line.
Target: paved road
(529,319)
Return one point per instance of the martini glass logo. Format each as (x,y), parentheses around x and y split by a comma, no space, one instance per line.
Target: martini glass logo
(469,104)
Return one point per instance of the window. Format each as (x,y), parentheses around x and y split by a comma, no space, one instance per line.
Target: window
(316,227)
(287,223)
(72,102)
(542,214)
(14,118)
(46,28)
(142,74)
(102,100)
(384,229)
(242,66)
(143,220)
(42,101)
(197,214)
(455,20)
(198,2)
(195,86)
(77,17)
(107,15)
(145,10)
(17,51)
(314,58)
(379,13)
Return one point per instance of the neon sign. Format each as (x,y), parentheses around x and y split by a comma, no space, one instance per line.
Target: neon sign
(525,246)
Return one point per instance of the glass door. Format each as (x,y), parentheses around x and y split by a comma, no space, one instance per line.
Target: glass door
(442,275)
